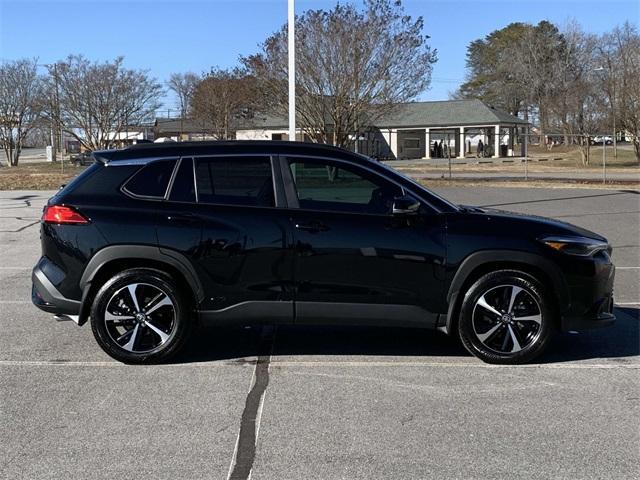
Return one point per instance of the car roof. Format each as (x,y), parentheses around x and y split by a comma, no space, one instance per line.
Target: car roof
(250,147)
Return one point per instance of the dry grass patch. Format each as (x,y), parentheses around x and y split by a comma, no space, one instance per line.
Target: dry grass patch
(37,176)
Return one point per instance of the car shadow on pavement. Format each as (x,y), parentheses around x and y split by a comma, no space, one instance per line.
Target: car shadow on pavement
(210,344)
(618,342)
(559,199)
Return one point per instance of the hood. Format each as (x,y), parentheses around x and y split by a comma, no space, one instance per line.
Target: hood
(544,225)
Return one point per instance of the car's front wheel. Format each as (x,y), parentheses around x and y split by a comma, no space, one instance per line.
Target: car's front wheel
(507,317)
(140,316)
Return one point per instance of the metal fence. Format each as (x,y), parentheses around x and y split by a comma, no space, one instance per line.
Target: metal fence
(586,159)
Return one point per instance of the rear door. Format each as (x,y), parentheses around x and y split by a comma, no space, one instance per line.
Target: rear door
(225,215)
(244,253)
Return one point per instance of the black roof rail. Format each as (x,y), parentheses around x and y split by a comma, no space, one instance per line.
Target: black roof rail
(171,149)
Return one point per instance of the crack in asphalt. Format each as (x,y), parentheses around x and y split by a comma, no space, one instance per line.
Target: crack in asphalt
(245,450)
(21,228)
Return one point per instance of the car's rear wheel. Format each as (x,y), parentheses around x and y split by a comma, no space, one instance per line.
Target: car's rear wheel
(506,317)
(140,316)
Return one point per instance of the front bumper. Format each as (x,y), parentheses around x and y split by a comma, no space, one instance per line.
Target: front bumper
(44,293)
(591,297)
(603,318)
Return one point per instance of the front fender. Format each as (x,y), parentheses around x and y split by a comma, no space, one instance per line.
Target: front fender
(512,257)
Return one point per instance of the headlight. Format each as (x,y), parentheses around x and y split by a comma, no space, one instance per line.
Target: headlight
(581,246)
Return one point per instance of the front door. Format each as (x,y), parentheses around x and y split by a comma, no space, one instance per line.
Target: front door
(356,262)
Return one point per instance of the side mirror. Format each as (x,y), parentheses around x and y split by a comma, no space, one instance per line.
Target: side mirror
(405,205)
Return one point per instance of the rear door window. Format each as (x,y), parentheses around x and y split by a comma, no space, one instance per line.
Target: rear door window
(235,181)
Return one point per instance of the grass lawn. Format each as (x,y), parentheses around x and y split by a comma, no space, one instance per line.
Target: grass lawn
(571,156)
(37,176)
(555,160)
(513,183)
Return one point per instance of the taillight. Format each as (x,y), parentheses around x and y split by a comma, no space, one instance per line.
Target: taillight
(61,214)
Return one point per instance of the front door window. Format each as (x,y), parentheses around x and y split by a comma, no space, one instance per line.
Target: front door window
(327,186)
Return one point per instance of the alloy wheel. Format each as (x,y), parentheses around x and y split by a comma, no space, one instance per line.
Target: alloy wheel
(140,317)
(507,319)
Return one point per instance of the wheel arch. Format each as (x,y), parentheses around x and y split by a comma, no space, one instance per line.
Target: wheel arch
(113,259)
(480,263)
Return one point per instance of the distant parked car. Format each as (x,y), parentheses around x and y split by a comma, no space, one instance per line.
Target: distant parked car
(599,139)
(82,159)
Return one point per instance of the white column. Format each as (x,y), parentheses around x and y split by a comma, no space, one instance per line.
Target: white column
(496,141)
(427,149)
(463,147)
(292,70)
(393,142)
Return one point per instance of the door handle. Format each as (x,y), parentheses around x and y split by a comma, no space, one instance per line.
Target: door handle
(312,227)
(183,218)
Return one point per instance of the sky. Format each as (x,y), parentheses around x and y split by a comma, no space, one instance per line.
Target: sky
(164,36)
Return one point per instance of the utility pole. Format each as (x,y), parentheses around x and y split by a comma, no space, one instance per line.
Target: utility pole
(292,69)
(613,110)
(604,159)
(59,147)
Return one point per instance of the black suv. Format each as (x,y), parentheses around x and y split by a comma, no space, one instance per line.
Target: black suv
(152,240)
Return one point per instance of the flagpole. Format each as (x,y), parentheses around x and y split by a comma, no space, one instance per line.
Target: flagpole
(292,70)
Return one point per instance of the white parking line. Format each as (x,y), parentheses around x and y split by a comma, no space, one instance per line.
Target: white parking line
(568,365)
(113,364)
(320,363)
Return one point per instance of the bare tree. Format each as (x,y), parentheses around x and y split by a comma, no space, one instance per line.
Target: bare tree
(184,86)
(573,104)
(99,100)
(352,67)
(222,100)
(578,96)
(619,57)
(21,101)
(596,85)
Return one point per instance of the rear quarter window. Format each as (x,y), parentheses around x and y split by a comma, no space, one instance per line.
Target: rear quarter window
(77,181)
(152,180)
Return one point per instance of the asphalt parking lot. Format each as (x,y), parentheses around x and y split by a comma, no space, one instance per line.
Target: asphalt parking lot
(323,403)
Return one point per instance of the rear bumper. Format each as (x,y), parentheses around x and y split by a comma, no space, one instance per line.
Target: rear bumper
(46,296)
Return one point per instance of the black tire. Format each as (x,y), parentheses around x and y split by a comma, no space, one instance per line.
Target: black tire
(169,316)
(523,328)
